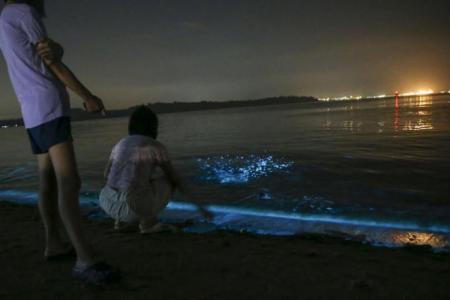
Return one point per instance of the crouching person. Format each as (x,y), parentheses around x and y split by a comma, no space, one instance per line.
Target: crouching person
(140,178)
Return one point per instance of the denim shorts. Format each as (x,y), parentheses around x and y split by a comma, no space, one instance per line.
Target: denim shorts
(49,134)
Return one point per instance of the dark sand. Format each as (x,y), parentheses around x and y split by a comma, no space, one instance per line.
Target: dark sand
(220,265)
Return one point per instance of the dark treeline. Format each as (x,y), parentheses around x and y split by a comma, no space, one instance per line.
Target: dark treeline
(160,107)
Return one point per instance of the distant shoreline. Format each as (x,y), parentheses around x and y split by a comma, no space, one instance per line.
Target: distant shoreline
(175,107)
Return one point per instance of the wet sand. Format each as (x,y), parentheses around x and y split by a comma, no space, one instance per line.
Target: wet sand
(218,265)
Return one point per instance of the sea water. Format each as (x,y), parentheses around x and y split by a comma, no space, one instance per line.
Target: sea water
(376,169)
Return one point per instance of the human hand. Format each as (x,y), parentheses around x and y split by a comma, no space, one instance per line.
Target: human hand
(94,104)
(50,51)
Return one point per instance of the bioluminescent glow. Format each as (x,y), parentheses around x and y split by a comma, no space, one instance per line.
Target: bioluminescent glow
(240,168)
(265,213)
(272,222)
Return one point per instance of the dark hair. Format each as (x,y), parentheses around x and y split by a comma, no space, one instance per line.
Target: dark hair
(143,121)
(37,4)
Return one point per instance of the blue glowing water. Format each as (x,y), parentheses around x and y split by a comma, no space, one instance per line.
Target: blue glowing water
(363,161)
(272,222)
(240,169)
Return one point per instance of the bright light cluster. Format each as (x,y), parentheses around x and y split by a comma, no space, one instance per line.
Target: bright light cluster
(416,93)
(241,168)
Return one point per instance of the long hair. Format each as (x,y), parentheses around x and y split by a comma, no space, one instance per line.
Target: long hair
(37,4)
(143,121)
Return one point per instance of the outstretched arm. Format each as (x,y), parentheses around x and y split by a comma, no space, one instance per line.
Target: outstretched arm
(91,102)
(51,53)
(173,177)
(177,183)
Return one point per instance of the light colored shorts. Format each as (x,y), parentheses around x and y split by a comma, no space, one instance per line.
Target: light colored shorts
(136,204)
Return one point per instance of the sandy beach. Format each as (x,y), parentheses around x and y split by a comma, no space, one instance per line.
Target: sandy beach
(218,265)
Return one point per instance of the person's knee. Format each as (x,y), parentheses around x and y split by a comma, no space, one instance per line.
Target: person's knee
(47,179)
(70,184)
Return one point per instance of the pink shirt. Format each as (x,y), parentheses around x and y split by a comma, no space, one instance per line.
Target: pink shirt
(134,162)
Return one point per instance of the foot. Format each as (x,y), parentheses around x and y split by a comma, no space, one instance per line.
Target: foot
(159,227)
(125,227)
(117,224)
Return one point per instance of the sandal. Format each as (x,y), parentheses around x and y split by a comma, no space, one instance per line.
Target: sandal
(97,274)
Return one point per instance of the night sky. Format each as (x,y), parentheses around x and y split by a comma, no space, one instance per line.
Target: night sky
(137,51)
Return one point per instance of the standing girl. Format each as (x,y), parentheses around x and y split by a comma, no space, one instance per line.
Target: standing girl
(40,79)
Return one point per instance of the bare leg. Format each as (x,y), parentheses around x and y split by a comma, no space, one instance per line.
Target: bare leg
(48,205)
(65,167)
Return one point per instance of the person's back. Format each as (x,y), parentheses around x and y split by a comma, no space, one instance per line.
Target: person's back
(134,162)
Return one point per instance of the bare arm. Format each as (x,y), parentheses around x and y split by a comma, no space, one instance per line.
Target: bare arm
(91,102)
(173,177)
(51,53)
(177,183)
(69,79)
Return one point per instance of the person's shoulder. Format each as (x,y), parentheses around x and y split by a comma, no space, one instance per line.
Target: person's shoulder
(122,141)
(119,144)
(20,8)
(133,141)
(18,11)
(156,144)
(25,8)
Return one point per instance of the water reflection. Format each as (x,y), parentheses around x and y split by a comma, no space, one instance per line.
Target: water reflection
(396,121)
(398,114)
(420,120)
(351,125)
(422,101)
(417,125)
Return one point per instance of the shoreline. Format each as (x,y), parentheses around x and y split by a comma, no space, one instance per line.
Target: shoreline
(78,114)
(218,265)
(376,233)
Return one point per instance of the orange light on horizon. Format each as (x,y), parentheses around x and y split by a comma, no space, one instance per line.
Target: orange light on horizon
(418,93)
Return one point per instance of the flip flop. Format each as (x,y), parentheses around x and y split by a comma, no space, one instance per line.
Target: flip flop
(67,254)
(97,274)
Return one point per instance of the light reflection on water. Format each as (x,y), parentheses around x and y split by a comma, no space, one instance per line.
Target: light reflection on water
(418,125)
(420,119)
(409,114)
